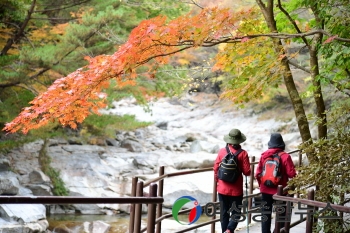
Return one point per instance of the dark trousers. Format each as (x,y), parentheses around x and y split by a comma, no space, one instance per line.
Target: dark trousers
(230,211)
(268,203)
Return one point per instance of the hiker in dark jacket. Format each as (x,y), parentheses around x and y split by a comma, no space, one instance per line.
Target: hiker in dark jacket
(275,145)
(231,193)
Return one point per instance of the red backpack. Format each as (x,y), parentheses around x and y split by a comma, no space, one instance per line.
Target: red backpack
(271,172)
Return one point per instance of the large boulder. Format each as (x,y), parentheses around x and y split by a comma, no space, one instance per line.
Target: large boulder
(9,184)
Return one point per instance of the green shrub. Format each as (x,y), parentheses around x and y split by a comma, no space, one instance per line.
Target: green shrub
(59,188)
(107,125)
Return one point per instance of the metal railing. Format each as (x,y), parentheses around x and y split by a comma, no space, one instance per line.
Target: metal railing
(309,202)
(152,200)
(137,191)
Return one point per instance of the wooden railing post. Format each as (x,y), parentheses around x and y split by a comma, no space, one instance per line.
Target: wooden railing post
(300,163)
(138,208)
(288,215)
(214,199)
(151,218)
(160,194)
(251,188)
(300,160)
(277,224)
(310,218)
(132,206)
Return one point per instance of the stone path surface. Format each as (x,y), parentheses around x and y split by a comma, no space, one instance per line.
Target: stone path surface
(254,227)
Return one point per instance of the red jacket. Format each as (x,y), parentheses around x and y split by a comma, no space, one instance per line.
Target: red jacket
(232,189)
(287,169)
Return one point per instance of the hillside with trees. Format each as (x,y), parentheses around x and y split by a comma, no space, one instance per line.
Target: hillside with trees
(257,50)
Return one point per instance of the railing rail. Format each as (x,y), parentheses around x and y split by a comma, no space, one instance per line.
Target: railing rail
(152,200)
(162,177)
(79,200)
(177,174)
(309,202)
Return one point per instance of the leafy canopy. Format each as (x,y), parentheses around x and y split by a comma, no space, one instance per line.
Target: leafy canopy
(70,99)
(56,35)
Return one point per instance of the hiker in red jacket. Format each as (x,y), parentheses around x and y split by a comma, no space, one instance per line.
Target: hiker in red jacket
(275,145)
(231,194)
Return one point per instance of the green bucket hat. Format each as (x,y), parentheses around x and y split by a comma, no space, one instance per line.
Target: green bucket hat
(235,137)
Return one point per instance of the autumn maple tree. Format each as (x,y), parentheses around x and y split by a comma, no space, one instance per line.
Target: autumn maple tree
(43,40)
(70,99)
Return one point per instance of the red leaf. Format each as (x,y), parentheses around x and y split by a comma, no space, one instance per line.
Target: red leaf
(330,39)
(245,39)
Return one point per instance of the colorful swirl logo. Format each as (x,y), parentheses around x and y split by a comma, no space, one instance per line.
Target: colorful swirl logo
(195,212)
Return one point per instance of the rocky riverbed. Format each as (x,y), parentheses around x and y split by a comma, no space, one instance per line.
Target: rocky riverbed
(186,134)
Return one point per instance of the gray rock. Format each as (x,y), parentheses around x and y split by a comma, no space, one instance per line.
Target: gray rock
(40,189)
(4,165)
(132,145)
(9,184)
(99,227)
(201,145)
(38,177)
(112,142)
(57,141)
(21,213)
(162,125)
(12,227)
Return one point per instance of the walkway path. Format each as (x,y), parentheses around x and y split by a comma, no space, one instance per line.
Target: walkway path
(255,227)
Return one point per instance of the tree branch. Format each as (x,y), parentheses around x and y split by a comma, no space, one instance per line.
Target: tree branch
(291,21)
(62,8)
(20,32)
(288,35)
(196,4)
(11,84)
(68,19)
(299,66)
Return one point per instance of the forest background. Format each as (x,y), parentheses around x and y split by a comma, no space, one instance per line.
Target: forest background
(247,52)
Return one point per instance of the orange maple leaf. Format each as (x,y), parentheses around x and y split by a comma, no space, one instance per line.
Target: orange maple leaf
(70,99)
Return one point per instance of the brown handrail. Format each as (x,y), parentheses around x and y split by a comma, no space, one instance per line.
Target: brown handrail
(177,174)
(312,203)
(198,225)
(78,199)
(152,202)
(162,176)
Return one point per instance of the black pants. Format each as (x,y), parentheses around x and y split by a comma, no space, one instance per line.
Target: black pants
(266,225)
(229,219)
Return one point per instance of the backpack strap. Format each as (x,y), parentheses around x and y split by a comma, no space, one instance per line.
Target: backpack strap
(278,154)
(230,152)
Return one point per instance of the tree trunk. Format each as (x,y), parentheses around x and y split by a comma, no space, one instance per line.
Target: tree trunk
(320,106)
(318,97)
(303,125)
